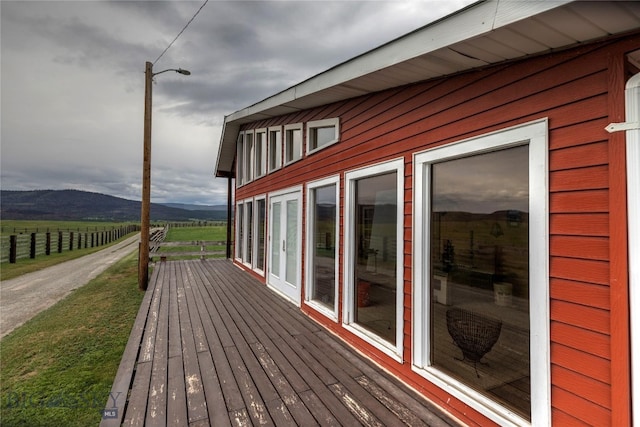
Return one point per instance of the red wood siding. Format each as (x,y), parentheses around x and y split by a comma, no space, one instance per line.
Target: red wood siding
(586,173)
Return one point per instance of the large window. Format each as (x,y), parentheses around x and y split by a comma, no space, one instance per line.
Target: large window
(275,148)
(260,227)
(481,284)
(322,133)
(239,239)
(249,232)
(322,238)
(373,255)
(293,142)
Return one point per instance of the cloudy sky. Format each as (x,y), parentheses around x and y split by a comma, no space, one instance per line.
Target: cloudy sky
(72,88)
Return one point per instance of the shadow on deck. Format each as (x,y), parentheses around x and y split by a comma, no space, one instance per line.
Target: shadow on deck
(213,346)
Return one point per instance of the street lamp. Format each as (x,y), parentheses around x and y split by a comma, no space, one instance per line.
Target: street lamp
(143,257)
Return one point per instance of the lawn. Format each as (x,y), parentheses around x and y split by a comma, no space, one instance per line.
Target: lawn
(58,368)
(190,234)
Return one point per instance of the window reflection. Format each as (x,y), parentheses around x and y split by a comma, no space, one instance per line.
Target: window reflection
(376,242)
(249,227)
(262,207)
(324,248)
(480,273)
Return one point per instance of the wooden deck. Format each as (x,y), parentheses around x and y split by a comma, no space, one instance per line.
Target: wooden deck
(213,346)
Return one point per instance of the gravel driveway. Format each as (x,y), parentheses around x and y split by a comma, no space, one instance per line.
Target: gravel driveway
(23,297)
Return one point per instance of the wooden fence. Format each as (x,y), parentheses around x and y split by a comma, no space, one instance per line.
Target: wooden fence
(31,245)
(198,223)
(194,249)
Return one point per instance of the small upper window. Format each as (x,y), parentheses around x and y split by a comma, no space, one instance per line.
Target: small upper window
(321,133)
(240,160)
(261,152)
(293,142)
(248,157)
(275,148)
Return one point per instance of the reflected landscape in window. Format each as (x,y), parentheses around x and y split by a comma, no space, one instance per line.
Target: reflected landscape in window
(376,244)
(480,274)
(324,248)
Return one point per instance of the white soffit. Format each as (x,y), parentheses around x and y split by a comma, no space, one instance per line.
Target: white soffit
(485,33)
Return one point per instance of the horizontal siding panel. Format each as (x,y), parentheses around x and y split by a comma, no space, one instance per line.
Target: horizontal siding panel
(580,156)
(587,364)
(589,178)
(559,418)
(588,294)
(578,134)
(592,390)
(386,104)
(582,409)
(523,98)
(580,270)
(579,202)
(596,248)
(589,318)
(580,339)
(595,225)
(469,116)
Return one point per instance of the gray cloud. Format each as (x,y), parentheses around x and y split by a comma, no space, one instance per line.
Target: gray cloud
(73,80)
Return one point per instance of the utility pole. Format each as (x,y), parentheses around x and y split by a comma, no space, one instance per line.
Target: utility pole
(143,257)
(143,254)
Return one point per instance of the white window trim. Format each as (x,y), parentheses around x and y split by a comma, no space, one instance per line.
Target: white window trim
(297,191)
(335,180)
(249,155)
(264,145)
(256,240)
(348,300)
(292,126)
(632,100)
(240,160)
(536,133)
(245,238)
(335,122)
(280,157)
(239,225)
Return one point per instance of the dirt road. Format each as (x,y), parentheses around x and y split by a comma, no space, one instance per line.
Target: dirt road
(25,296)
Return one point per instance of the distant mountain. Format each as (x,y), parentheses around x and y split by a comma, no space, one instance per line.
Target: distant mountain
(196,207)
(83,205)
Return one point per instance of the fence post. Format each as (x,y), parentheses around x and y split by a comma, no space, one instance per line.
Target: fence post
(13,248)
(85,240)
(71,240)
(32,249)
(59,242)
(47,248)
(79,240)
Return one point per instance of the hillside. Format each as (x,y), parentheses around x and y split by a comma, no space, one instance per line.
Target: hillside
(83,205)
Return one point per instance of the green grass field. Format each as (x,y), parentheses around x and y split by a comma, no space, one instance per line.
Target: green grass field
(189,234)
(58,368)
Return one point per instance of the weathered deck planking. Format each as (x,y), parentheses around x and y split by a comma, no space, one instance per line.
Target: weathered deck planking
(213,346)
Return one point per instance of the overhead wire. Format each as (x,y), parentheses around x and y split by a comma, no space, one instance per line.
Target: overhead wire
(181,31)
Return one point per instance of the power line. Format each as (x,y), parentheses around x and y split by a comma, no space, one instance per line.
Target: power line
(182,31)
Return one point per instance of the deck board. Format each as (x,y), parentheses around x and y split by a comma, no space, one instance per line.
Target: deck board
(217,347)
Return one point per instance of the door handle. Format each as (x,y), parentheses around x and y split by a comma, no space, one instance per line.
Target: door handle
(284,245)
